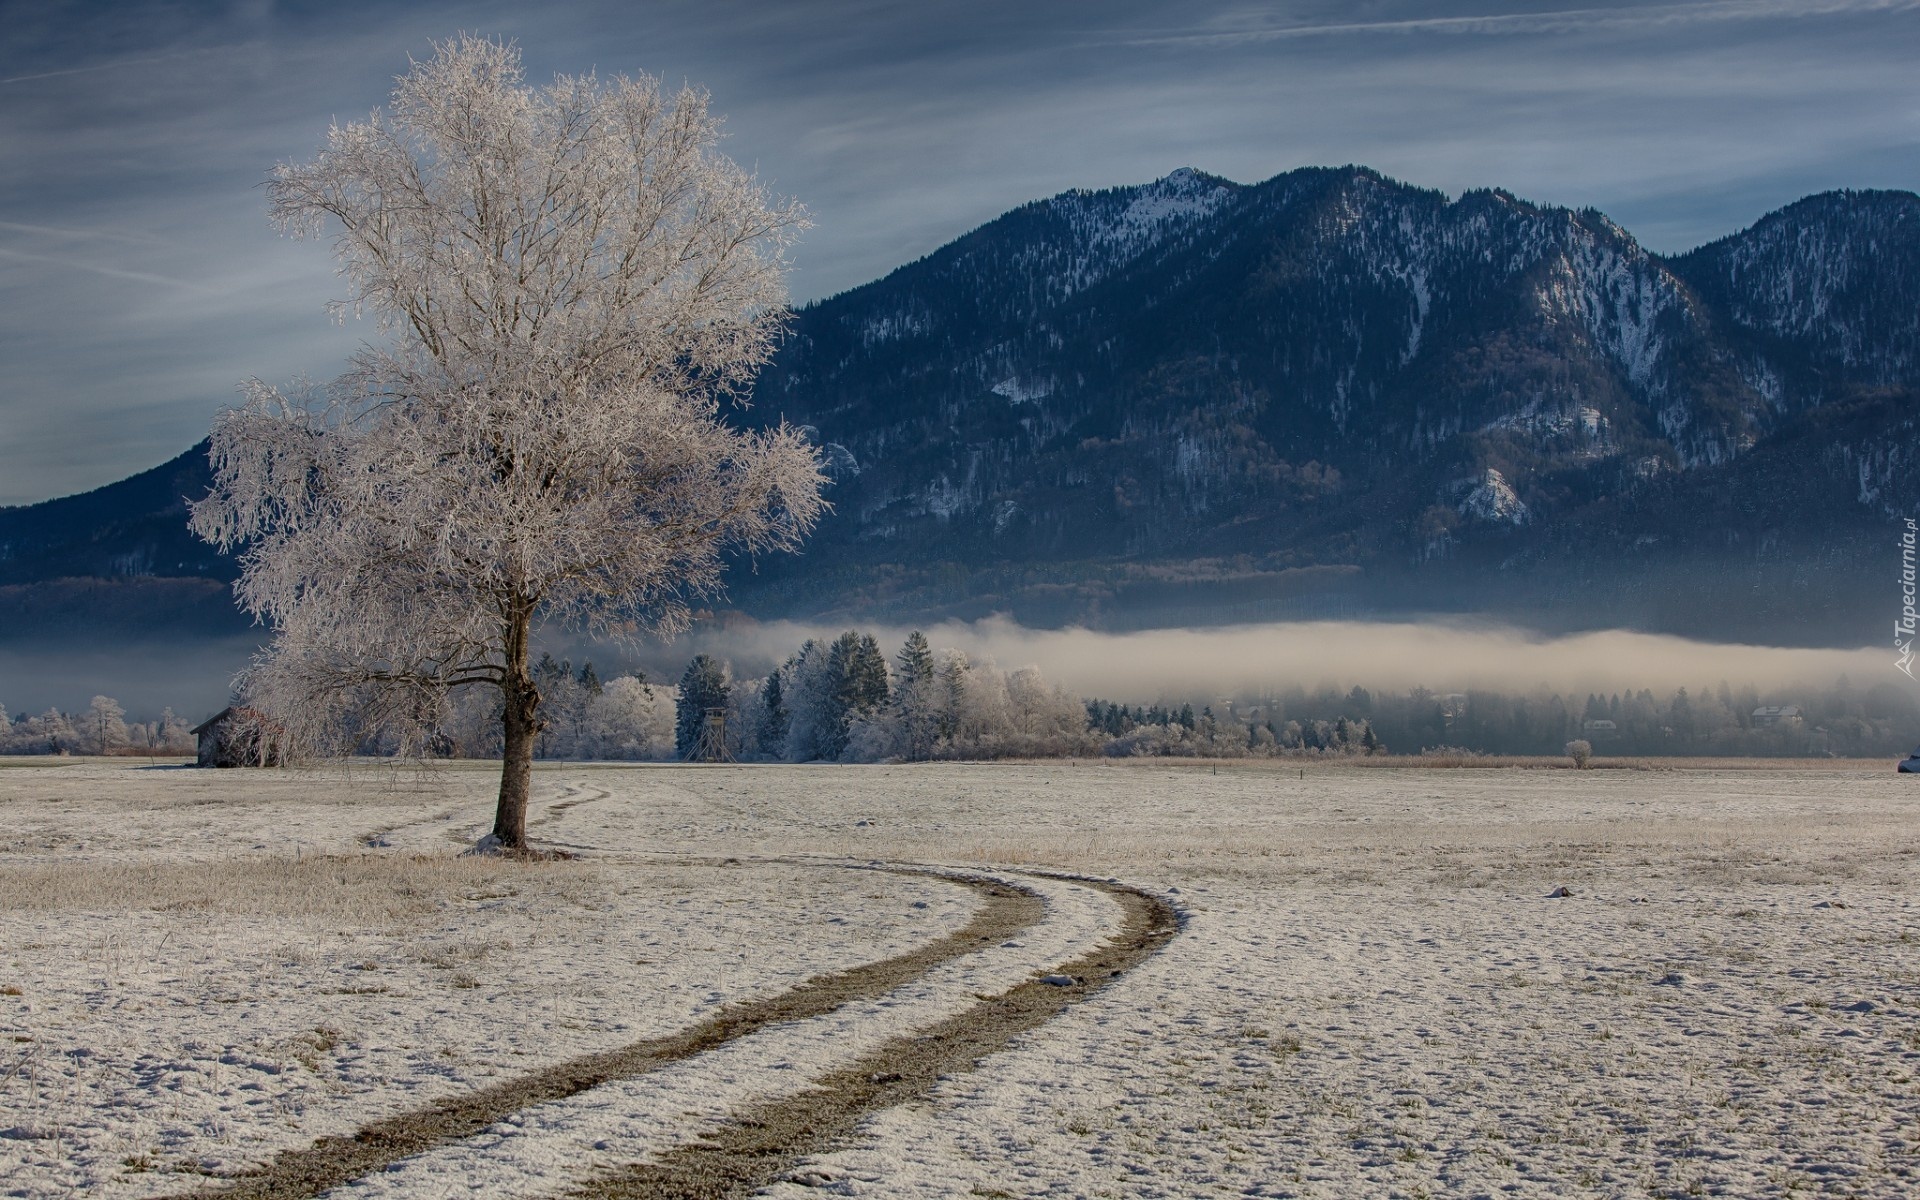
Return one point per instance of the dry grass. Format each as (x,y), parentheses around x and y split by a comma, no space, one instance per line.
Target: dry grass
(1456,759)
(361,889)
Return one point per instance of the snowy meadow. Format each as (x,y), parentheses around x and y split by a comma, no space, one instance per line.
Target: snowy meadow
(1373,987)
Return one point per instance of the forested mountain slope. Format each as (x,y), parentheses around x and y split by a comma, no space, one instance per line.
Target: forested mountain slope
(1332,393)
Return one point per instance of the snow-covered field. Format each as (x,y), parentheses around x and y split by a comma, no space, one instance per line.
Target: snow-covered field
(1372,993)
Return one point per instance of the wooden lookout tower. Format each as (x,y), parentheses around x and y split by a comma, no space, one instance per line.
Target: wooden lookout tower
(712,743)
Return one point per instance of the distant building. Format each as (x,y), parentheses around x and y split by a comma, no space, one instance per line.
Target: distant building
(1599,730)
(237,736)
(1775,714)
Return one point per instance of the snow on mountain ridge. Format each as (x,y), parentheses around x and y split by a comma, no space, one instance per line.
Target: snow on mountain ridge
(1493,500)
(1837,273)
(1113,228)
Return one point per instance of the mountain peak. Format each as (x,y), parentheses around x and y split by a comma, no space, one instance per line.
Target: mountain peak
(1189,179)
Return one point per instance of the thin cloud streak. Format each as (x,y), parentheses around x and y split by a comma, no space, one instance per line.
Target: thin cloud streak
(116,65)
(110,272)
(1573,20)
(83,235)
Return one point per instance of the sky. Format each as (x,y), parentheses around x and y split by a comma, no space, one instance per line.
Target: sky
(140,281)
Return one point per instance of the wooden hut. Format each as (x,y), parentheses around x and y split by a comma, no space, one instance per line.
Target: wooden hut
(238,736)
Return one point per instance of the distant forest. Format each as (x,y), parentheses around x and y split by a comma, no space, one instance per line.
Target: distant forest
(1842,720)
(846,700)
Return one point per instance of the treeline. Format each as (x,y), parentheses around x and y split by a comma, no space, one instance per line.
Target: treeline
(846,700)
(837,701)
(102,729)
(1843,720)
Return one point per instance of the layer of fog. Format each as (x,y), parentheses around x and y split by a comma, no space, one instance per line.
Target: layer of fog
(1250,659)
(1138,667)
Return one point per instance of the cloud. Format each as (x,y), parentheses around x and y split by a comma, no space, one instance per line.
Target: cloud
(1612,18)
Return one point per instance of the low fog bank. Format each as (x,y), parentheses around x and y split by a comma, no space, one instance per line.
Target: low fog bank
(192,677)
(1240,659)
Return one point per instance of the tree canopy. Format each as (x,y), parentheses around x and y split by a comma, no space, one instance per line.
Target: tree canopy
(572,282)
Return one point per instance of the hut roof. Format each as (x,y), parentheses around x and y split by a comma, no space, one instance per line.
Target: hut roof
(235,710)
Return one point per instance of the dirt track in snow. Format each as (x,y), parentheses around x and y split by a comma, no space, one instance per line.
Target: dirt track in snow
(1008,911)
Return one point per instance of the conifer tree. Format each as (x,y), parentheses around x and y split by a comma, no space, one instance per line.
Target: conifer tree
(952,691)
(871,685)
(915,698)
(773,730)
(915,659)
(704,685)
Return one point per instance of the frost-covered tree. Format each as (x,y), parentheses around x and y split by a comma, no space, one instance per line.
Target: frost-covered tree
(171,733)
(983,717)
(950,690)
(630,718)
(816,714)
(746,715)
(105,725)
(49,733)
(812,712)
(574,281)
(850,684)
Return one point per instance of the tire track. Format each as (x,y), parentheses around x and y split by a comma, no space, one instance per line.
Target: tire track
(765,1141)
(569,799)
(378,839)
(331,1161)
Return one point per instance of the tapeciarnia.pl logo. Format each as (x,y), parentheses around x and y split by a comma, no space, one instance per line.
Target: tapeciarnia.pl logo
(1903,629)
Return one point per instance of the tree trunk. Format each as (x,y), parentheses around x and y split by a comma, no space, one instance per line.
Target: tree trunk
(521,721)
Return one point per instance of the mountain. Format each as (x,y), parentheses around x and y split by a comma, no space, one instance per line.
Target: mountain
(117,560)
(1334,394)
(1328,394)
